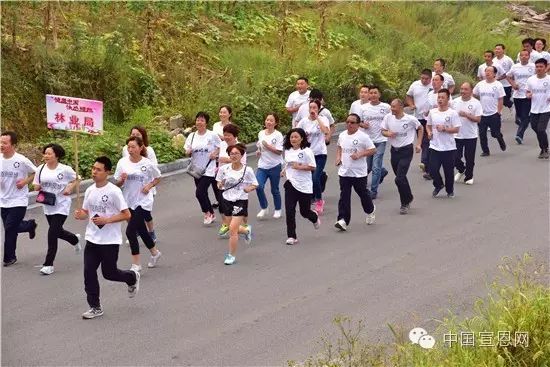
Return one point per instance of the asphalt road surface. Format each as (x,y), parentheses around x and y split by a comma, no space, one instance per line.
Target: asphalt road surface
(276,302)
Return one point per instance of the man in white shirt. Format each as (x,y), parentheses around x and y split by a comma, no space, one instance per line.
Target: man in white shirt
(528,44)
(505,63)
(417,98)
(442,123)
(400,129)
(353,146)
(517,78)
(469,110)
(298,97)
(488,57)
(438,81)
(363,98)
(16,172)
(439,68)
(490,93)
(538,90)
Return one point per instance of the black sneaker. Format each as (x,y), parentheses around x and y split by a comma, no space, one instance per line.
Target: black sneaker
(427,176)
(519,140)
(382,177)
(546,155)
(502,144)
(215,206)
(32,232)
(373,195)
(436,191)
(485,154)
(404,209)
(10,262)
(451,195)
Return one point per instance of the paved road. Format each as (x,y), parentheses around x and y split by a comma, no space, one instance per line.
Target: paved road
(278,300)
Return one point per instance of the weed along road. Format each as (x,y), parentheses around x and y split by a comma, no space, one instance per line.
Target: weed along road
(277,301)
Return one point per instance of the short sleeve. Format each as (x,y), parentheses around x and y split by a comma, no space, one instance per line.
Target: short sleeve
(37,176)
(451,81)
(479,75)
(501,92)
(125,151)
(384,124)
(217,141)
(368,142)
(220,175)
(250,177)
(410,91)
(339,142)
(324,120)
(455,121)
(289,101)
(476,90)
(120,203)
(528,85)
(152,156)
(429,118)
(85,205)
(118,170)
(417,123)
(31,168)
(70,173)
(188,141)
(310,158)
(155,172)
(280,141)
(329,117)
(478,110)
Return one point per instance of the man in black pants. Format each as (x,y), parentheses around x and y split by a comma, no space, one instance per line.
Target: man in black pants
(517,77)
(417,98)
(442,123)
(538,90)
(400,130)
(106,208)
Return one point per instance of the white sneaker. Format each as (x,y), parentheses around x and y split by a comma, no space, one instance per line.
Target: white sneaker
(291,241)
(46,270)
(262,213)
(209,219)
(459,177)
(277,214)
(92,313)
(135,267)
(154,259)
(371,217)
(134,289)
(127,243)
(78,246)
(341,225)
(469,182)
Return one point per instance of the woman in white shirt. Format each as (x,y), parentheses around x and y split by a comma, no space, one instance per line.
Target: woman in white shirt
(317,130)
(236,180)
(140,132)
(270,149)
(225,114)
(58,179)
(203,147)
(137,176)
(299,163)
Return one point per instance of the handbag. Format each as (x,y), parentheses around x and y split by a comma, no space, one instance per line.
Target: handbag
(194,170)
(44,197)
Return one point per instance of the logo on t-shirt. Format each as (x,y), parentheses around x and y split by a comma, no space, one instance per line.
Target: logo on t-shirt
(545,84)
(447,118)
(382,110)
(16,164)
(470,107)
(494,88)
(355,142)
(60,176)
(104,198)
(143,168)
(300,155)
(530,70)
(273,141)
(405,126)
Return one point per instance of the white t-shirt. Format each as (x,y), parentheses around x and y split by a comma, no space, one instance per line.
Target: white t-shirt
(540,102)
(506,64)
(468,129)
(520,74)
(296,99)
(268,159)
(12,170)
(448,80)
(443,141)
(432,102)
(203,146)
(55,181)
(150,154)
(303,113)
(419,93)
(301,180)
(223,154)
(105,201)
(534,56)
(218,128)
(356,107)
(481,71)
(314,134)
(139,174)
(374,114)
(489,93)
(350,144)
(233,186)
(405,129)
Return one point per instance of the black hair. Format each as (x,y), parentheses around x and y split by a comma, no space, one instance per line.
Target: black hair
(108,165)
(439,75)
(528,40)
(542,60)
(543,42)
(492,67)
(303,144)
(303,78)
(239,146)
(139,142)
(364,86)
(442,61)
(315,94)
(275,116)
(316,101)
(57,150)
(204,115)
(231,129)
(357,118)
(12,135)
(426,72)
(501,45)
(143,133)
(490,52)
(228,108)
(374,87)
(446,91)
(470,84)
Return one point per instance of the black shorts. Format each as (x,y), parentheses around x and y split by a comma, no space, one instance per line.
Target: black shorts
(237,208)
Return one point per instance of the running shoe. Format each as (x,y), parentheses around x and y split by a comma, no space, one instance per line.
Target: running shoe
(277,214)
(78,246)
(135,267)
(92,313)
(154,259)
(229,259)
(291,241)
(262,213)
(341,225)
(134,289)
(46,270)
(224,230)
(459,177)
(371,217)
(248,235)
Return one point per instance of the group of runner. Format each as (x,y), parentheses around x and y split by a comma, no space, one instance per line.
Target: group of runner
(428,121)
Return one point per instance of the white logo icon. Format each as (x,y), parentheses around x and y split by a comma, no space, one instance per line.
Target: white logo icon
(420,336)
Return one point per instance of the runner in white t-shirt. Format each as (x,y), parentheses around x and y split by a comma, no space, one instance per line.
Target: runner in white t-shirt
(488,56)
(137,176)
(517,77)
(400,129)
(442,123)
(538,90)
(299,164)
(226,115)
(353,146)
(540,48)
(363,98)
(106,209)
(16,172)
(528,44)
(438,81)
(469,110)
(506,63)
(298,97)
(270,150)
(439,68)
(57,180)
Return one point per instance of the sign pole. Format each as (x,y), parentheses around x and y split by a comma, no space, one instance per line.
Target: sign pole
(76,166)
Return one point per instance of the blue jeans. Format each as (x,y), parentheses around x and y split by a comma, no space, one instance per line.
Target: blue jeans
(274,176)
(320,161)
(375,165)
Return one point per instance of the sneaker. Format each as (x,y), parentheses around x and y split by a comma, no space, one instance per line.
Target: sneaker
(32,232)
(209,218)
(46,270)
(459,177)
(427,176)
(469,182)
(404,209)
(341,225)
(291,241)
(519,140)
(154,259)
(9,262)
(127,243)
(224,230)
(92,313)
(229,259)
(384,174)
(541,155)
(485,154)
(451,195)
(502,144)
(153,236)
(134,289)
(371,217)
(262,213)
(248,235)
(78,246)
(422,167)
(373,195)
(546,155)
(319,206)
(135,268)
(317,224)
(436,191)
(277,214)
